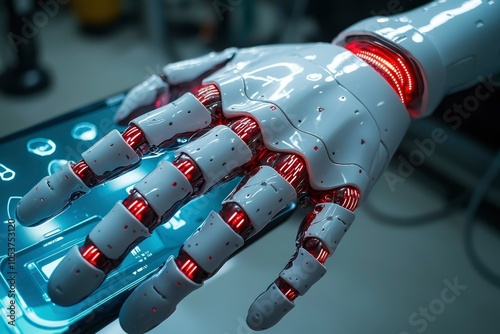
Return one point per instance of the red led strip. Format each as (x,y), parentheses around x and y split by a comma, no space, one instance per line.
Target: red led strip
(317,249)
(290,293)
(83,171)
(140,208)
(398,71)
(95,257)
(208,94)
(236,218)
(350,198)
(189,168)
(246,128)
(292,168)
(134,137)
(190,268)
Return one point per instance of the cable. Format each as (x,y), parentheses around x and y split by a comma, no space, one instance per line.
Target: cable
(476,199)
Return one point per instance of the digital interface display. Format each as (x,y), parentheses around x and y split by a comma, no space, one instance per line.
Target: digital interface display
(41,146)
(84,131)
(49,268)
(27,157)
(6,174)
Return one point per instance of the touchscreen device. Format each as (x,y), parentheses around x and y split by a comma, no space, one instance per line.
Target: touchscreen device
(28,259)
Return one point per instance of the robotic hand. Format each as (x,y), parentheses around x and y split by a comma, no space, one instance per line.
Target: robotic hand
(316,123)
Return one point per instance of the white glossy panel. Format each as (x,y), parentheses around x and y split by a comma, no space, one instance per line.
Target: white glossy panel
(109,154)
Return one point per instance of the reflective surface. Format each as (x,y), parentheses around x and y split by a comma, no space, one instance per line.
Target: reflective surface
(27,158)
(84,131)
(41,146)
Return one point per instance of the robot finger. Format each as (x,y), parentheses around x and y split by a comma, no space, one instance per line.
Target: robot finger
(158,195)
(112,156)
(173,81)
(148,95)
(198,166)
(318,238)
(244,213)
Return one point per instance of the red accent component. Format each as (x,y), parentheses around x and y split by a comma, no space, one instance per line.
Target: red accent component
(95,257)
(348,197)
(292,168)
(236,218)
(83,171)
(290,293)
(209,96)
(317,249)
(190,268)
(246,128)
(396,69)
(134,137)
(140,208)
(189,168)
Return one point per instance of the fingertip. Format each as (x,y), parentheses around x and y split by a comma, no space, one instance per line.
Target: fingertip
(268,309)
(39,204)
(144,309)
(73,279)
(141,99)
(121,115)
(49,197)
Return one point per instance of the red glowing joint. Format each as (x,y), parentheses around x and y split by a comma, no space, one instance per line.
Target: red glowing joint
(189,168)
(91,254)
(292,168)
(140,208)
(94,256)
(288,291)
(246,128)
(317,249)
(137,208)
(83,171)
(236,218)
(190,268)
(134,137)
(349,198)
(208,95)
(398,71)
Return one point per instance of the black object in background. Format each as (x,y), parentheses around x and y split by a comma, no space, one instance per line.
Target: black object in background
(24,75)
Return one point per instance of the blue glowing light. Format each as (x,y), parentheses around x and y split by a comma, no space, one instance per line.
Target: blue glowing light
(41,146)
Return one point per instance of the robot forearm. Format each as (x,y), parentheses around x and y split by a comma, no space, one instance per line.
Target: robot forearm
(453,43)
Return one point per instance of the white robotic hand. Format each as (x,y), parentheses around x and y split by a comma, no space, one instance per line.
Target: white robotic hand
(314,122)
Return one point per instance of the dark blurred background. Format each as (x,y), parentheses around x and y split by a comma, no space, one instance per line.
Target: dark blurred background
(410,235)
